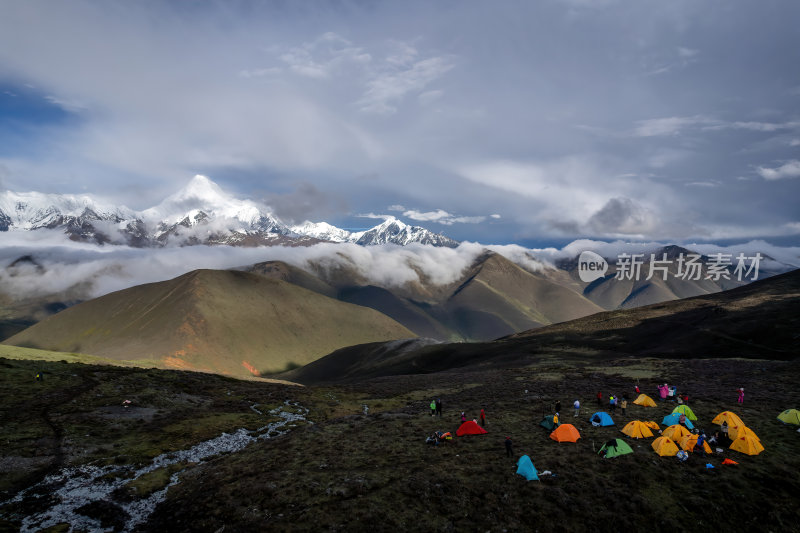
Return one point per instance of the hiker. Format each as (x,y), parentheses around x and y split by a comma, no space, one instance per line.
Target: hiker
(624,405)
(685,398)
(483,418)
(713,440)
(438,407)
(509,447)
(39,376)
(433,407)
(724,429)
(699,444)
(612,403)
(558,406)
(636,388)
(682,419)
(741,395)
(577,406)
(463,417)
(662,392)
(600,399)
(555,419)
(679,399)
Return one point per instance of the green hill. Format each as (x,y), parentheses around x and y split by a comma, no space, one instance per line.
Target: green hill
(227,322)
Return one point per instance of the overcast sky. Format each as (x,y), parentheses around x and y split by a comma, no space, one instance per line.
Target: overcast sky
(499,122)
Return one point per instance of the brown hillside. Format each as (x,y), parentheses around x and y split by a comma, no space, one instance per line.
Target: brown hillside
(219,321)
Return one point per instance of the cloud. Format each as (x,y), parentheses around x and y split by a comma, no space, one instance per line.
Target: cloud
(441,216)
(667,126)
(790,169)
(324,57)
(387,89)
(306,202)
(88,271)
(623,216)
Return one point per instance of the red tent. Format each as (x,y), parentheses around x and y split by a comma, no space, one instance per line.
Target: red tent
(470,427)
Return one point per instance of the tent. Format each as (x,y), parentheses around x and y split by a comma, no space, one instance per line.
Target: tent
(674,418)
(645,401)
(547,423)
(565,433)
(526,469)
(665,447)
(686,410)
(470,427)
(652,425)
(637,429)
(615,447)
(601,418)
(729,462)
(728,416)
(690,441)
(790,416)
(676,432)
(748,445)
(741,431)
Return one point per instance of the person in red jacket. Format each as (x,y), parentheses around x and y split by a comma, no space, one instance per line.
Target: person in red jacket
(599,399)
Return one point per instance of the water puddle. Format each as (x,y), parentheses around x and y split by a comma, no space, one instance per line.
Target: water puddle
(70,489)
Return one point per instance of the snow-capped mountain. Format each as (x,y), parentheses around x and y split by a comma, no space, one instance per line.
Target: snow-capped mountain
(200,213)
(81,216)
(395,231)
(322,231)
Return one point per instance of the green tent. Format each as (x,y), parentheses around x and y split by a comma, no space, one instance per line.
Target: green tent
(615,447)
(548,424)
(684,409)
(790,416)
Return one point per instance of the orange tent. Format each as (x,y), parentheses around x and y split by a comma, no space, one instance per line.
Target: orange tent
(729,462)
(741,431)
(565,433)
(727,416)
(676,432)
(690,441)
(748,445)
(470,427)
(652,425)
(637,429)
(644,400)
(664,447)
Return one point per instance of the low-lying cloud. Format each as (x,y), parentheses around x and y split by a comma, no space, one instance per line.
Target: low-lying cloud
(96,270)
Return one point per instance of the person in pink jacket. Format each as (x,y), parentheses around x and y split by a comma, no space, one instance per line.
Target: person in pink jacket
(741,395)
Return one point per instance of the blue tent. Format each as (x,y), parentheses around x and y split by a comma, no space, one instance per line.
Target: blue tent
(601,418)
(526,469)
(672,419)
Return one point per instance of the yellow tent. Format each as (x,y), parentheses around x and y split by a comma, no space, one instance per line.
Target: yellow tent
(690,441)
(734,432)
(645,401)
(748,445)
(790,416)
(652,425)
(637,429)
(665,447)
(727,416)
(676,432)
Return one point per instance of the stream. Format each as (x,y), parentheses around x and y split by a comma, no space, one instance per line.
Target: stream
(71,488)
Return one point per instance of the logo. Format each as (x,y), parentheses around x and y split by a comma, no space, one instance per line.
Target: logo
(591,266)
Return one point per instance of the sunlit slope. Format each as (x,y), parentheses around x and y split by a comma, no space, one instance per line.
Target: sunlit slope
(218,321)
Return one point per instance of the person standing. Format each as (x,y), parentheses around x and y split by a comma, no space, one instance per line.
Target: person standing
(612,403)
(600,399)
(577,406)
(438,407)
(483,418)
(558,406)
(433,407)
(741,395)
(624,405)
(463,417)
(509,447)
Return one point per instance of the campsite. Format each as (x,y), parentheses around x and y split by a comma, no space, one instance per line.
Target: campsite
(344,469)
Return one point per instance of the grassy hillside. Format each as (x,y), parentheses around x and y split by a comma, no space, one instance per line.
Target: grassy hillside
(373,472)
(217,321)
(758,321)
